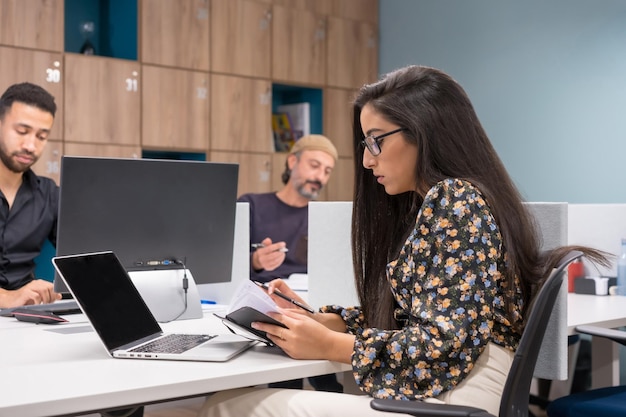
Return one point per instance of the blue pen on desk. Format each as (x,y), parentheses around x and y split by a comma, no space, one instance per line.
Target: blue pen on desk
(260,245)
(208,302)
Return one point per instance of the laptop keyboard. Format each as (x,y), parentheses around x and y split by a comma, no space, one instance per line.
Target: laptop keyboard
(174,343)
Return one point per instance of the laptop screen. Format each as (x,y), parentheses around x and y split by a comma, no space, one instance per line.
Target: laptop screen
(103,289)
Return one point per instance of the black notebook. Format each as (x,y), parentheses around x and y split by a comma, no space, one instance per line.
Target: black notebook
(241,319)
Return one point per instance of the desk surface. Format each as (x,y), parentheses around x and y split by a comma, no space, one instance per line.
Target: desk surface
(72,373)
(604,311)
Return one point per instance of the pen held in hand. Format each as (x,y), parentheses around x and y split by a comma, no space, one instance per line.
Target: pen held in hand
(284,297)
(260,245)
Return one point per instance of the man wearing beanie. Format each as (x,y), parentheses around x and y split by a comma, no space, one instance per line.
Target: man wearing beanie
(279,221)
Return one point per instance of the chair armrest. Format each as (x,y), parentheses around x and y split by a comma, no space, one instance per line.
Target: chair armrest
(618,336)
(421,408)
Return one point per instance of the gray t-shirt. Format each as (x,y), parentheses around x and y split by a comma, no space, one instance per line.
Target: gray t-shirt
(270,217)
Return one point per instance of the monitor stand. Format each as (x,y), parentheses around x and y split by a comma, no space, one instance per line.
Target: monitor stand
(162,291)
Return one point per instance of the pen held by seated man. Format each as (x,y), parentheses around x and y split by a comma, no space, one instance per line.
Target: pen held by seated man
(261,245)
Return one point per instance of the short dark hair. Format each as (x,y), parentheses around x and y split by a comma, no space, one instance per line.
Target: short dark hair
(30,94)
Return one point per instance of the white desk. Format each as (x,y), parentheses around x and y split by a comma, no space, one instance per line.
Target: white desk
(603,311)
(45,373)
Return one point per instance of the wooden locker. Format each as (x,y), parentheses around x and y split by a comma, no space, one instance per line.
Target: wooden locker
(42,68)
(102,151)
(49,164)
(298,46)
(338,119)
(240,114)
(35,24)
(102,100)
(175,33)
(352,58)
(240,37)
(362,10)
(341,184)
(175,109)
(254,170)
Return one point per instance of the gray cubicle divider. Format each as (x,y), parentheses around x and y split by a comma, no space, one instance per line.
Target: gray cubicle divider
(331,276)
(223,292)
(552,362)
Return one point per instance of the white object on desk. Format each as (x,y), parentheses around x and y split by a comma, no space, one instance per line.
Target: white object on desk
(162,290)
(298,282)
(249,294)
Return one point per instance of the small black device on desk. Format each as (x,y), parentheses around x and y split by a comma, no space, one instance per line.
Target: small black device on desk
(242,320)
(66,306)
(33,316)
(594,285)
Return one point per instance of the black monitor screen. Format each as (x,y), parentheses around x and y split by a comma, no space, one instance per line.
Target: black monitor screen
(148,210)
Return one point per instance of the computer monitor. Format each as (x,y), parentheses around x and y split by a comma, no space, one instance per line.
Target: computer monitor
(149,210)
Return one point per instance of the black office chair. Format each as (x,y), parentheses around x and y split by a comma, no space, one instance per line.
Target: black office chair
(601,402)
(514,402)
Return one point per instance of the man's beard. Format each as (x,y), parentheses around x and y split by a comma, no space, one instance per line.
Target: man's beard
(13,166)
(311,195)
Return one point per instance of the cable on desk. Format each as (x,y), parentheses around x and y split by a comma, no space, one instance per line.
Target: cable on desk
(185,280)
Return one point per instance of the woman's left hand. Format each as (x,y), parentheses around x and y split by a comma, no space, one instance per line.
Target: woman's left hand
(306,338)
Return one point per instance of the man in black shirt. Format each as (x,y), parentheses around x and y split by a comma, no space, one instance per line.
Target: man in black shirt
(28,203)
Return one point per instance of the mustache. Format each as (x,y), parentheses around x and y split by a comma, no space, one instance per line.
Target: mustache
(318,183)
(24,153)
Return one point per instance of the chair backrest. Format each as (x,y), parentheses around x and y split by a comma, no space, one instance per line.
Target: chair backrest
(517,387)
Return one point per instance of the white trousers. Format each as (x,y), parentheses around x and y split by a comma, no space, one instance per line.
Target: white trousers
(482,388)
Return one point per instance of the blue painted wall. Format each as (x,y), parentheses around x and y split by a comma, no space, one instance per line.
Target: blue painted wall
(547,78)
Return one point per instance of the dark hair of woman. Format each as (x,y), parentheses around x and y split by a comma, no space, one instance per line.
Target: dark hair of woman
(437,117)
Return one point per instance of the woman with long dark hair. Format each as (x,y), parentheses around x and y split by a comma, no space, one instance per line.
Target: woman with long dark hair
(446,261)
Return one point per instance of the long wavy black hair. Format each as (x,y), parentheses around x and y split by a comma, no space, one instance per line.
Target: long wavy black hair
(439,119)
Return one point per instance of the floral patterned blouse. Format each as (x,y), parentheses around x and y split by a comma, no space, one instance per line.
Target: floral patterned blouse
(449,281)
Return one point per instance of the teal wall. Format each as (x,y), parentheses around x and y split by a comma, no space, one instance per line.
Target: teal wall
(115,32)
(43,263)
(547,78)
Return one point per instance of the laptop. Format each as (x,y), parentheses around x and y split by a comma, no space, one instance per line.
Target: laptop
(107,296)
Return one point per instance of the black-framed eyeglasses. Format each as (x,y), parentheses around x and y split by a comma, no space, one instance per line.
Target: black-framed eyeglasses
(373,142)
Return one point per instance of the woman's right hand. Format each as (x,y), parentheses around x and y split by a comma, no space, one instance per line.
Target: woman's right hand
(330,320)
